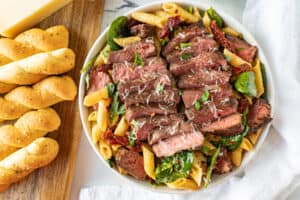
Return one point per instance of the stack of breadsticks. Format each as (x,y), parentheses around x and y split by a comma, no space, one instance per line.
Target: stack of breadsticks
(29,85)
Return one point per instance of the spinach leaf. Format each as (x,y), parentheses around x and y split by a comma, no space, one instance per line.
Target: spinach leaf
(245,83)
(163,42)
(138,59)
(118,28)
(173,167)
(116,109)
(211,166)
(214,16)
(111,89)
(190,9)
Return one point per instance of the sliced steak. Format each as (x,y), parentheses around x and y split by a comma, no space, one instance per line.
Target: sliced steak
(177,128)
(223,163)
(185,35)
(198,45)
(190,97)
(129,71)
(132,162)
(234,44)
(98,79)
(143,49)
(259,114)
(170,146)
(203,78)
(205,60)
(228,126)
(169,26)
(143,126)
(147,83)
(212,111)
(166,96)
(142,30)
(134,111)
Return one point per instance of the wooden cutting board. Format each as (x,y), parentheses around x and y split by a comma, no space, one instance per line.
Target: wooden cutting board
(83,19)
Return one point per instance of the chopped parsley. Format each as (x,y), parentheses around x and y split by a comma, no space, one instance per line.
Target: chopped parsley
(228,58)
(132,138)
(240,49)
(134,123)
(186,56)
(197,105)
(138,59)
(163,42)
(159,88)
(183,45)
(111,89)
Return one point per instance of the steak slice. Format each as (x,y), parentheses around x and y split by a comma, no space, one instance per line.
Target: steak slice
(134,111)
(98,79)
(143,49)
(234,44)
(132,162)
(223,163)
(259,114)
(170,146)
(178,127)
(198,45)
(212,111)
(185,35)
(166,96)
(142,30)
(228,126)
(129,71)
(190,97)
(205,60)
(147,83)
(203,78)
(144,126)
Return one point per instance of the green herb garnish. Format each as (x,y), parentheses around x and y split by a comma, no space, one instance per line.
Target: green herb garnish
(116,108)
(211,166)
(89,64)
(118,28)
(214,16)
(186,56)
(205,96)
(110,162)
(87,81)
(138,59)
(183,45)
(245,83)
(111,89)
(228,58)
(134,123)
(132,138)
(190,9)
(159,88)
(163,42)
(197,105)
(173,167)
(240,49)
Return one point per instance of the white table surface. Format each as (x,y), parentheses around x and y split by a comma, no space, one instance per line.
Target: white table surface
(89,169)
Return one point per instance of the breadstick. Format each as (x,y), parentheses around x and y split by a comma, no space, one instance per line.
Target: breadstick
(46,93)
(19,164)
(27,128)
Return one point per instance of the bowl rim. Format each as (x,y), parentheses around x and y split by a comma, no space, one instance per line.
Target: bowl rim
(232,22)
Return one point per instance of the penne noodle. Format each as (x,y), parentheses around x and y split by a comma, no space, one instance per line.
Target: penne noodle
(246,145)
(206,20)
(163,15)
(95,97)
(102,57)
(97,133)
(122,127)
(105,150)
(183,184)
(149,163)
(115,147)
(196,13)
(184,15)
(253,137)
(197,171)
(258,78)
(123,42)
(236,156)
(92,116)
(148,18)
(234,60)
(103,116)
(231,31)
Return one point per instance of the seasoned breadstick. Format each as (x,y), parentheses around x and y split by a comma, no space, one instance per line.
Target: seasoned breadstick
(19,164)
(43,94)
(30,126)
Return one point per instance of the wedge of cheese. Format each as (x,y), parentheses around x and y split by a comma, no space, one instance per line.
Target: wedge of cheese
(19,15)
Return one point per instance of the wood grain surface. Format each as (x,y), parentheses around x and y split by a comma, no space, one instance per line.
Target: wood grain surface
(83,19)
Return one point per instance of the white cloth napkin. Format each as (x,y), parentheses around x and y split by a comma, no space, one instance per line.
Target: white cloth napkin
(276,168)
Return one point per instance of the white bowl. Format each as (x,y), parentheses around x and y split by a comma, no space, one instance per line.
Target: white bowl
(99,44)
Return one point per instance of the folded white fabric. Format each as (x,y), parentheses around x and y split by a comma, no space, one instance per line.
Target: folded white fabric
(275,25)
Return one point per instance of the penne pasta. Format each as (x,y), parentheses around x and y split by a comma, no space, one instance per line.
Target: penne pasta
(115,148)
(92,116)
(206,20)
(183,184)
(103,116)
(184,15)
(149,163)
(123,42)
(196,13)
(163,15)
(148,18)
(105,150)
(236,156)
(102,57)
(230,31)
(95,97)
(233,59)
(253,137)
(258,78)
(246,145)
(97,133)
(122,127)
(196,171)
